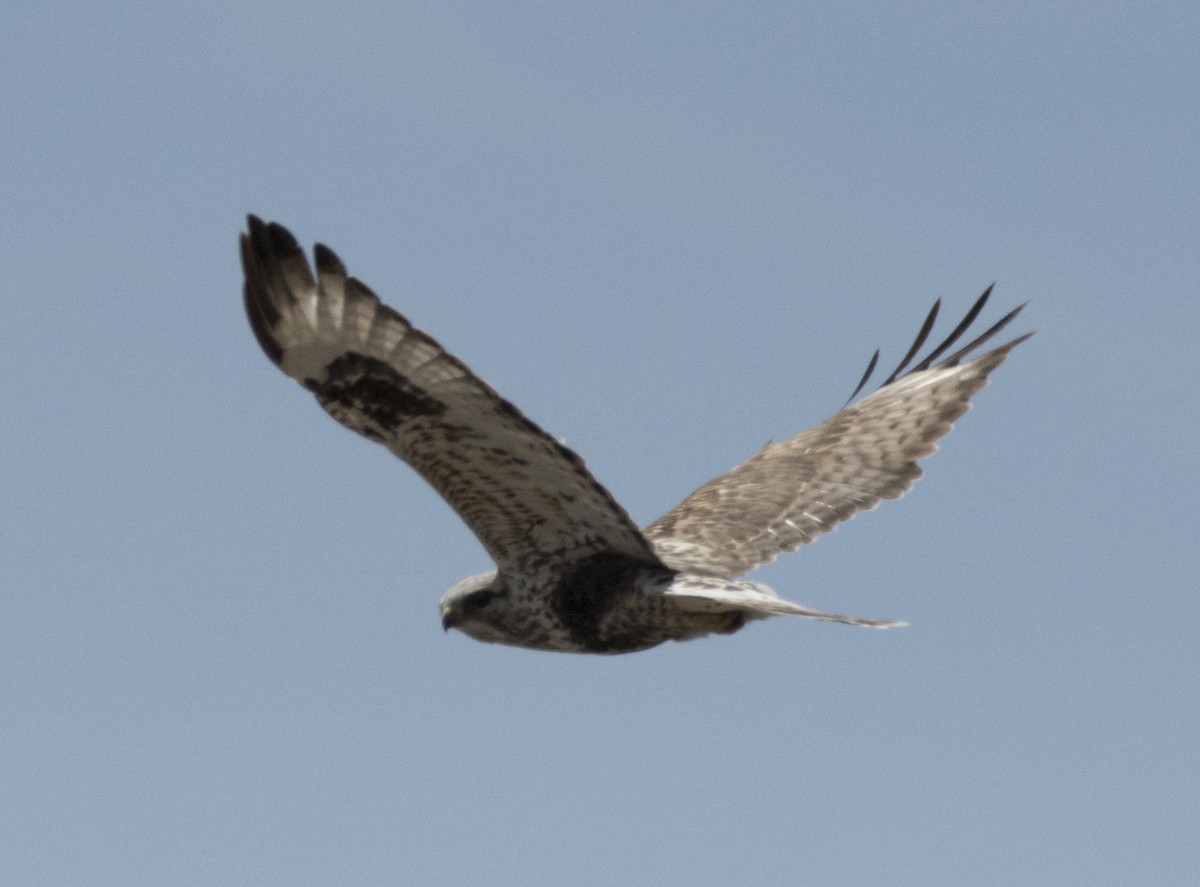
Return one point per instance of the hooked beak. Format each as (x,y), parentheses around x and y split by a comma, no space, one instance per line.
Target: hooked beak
(448,620)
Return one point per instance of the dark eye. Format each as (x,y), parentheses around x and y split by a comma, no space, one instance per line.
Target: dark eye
(476,601)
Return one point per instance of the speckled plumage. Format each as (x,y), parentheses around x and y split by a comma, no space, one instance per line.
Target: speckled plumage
(573,572)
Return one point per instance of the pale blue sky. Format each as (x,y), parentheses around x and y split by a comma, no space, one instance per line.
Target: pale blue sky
(668,231)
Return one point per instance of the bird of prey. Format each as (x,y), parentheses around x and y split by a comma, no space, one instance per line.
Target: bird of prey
(573,571)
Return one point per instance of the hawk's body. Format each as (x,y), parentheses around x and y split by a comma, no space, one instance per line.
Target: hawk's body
(574,573)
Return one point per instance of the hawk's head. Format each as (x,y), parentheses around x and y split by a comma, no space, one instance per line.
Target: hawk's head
(475,606)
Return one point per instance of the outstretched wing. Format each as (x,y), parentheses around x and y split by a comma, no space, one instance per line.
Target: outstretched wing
(789,492)
(530,500)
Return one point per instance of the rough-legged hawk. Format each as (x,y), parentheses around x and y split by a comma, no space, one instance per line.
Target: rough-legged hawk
(573,571)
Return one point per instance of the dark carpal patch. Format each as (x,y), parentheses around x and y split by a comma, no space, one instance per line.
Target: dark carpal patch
(379,398)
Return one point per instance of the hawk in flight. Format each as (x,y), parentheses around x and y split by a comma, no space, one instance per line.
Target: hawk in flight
(573,572)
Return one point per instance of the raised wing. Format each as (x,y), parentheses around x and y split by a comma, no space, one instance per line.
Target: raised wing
(530,500)
(789,492)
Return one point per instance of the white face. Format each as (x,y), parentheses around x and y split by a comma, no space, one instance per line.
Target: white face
(465,607)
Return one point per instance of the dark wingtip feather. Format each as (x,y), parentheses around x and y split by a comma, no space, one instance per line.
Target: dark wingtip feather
(926,328)
(865,376)
(956,333)
(933,357)
(281,240)
(1000,324)
(328,261)
(262,247)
